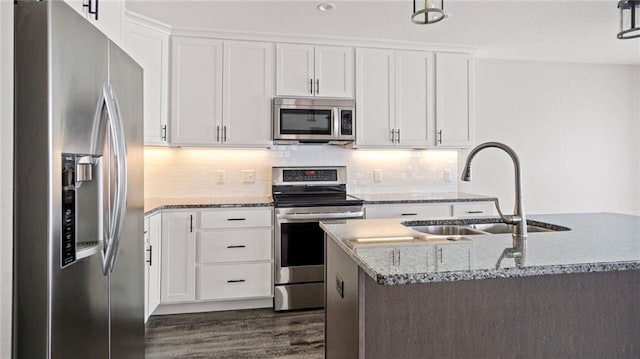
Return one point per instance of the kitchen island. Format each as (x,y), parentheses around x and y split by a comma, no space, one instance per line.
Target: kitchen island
(393,292)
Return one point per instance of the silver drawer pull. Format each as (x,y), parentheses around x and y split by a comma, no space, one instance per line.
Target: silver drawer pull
(242,246)
(408,214)
(236,219)
(475,212)
(236,281)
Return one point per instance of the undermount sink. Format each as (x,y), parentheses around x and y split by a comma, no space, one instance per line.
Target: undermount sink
(481,228)
(498,228)
(447,230)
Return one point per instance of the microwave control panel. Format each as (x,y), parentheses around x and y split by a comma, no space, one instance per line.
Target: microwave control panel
(346,122)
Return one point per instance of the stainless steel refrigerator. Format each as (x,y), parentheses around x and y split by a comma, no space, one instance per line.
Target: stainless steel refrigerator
(78,167)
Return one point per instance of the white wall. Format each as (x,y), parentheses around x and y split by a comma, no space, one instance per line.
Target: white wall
(6,173)
(576,128)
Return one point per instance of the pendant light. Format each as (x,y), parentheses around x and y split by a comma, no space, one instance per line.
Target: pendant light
(427,12)
(629,19)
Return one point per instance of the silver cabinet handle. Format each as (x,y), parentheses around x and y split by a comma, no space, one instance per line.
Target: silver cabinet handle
(317,86)
(408,214)
(311,86)
(398,133)
(393,136)
(217,133)
(475,212)
(236,281)
(164,133)
(191,223)
(240,246)
(236,219)
(224,133)
(440,136)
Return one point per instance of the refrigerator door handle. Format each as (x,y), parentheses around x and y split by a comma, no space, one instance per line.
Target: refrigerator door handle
(113,232)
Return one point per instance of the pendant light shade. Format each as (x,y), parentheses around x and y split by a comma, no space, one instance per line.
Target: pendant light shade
(629,19)
(427,11)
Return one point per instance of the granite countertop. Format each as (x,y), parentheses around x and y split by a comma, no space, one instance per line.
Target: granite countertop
(596,242)
(153,205)
(435,197)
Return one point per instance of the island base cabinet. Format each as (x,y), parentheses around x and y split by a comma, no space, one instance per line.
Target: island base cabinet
(585,315)
(341,304)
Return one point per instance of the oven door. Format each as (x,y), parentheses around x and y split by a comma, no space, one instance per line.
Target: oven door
(308,123)
(300,243)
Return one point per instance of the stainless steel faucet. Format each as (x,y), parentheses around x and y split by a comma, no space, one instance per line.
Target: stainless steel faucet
(518,219)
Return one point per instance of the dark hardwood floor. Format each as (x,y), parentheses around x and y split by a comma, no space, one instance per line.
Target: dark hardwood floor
(255,333)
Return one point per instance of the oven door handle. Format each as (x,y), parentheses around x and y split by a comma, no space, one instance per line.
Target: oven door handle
(322,216)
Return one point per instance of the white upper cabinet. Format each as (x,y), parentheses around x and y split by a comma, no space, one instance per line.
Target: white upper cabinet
(394,98)
(148,44)
(196,91)
(248,89)
(375,97)
(454,110)
(395,95)
(414,99)
(221,92)
(307,70)
(106,15)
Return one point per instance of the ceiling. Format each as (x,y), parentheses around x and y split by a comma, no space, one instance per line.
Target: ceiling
(561,30)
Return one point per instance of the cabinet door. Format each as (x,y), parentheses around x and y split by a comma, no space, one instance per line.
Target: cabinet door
(146,269)
(409,211)
(155,238)
(294,70)
(375,97)
(248,88)
(478,209)
(333,71)
(414,99)
(150,48)
(178,257)
(453,100)
(196,91)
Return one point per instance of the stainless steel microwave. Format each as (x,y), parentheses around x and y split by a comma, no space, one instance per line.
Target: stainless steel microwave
(313,119)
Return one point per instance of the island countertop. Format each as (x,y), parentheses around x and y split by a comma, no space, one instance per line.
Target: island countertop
(596,242)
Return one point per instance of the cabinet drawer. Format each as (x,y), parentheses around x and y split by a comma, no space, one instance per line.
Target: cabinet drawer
(228,281)
(473,209)
(235,245)
(236,218)
(409,211)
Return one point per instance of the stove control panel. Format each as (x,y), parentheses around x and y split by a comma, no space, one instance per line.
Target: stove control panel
(310,175)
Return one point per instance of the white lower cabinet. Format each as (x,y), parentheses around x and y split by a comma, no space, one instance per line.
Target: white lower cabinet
(152,236)
(233,281)
(417,211)
(217,256)
(474,209)
(178,257)
(409,210)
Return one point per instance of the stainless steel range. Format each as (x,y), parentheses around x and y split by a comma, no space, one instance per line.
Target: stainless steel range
(304,196)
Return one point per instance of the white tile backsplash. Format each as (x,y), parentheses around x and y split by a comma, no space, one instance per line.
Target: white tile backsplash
(192,172)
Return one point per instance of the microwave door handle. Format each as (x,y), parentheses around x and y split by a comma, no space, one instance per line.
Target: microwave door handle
(336,122)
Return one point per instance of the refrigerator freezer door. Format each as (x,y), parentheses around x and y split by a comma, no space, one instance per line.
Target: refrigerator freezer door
(126,277)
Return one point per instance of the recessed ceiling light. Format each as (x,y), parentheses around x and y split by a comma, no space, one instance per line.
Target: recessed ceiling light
(326,6)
